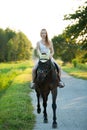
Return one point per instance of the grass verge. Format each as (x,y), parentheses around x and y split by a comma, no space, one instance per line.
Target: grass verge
(76,72)
(8,71)
(16,111)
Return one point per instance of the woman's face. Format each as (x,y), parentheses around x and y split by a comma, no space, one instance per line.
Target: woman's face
(43,34)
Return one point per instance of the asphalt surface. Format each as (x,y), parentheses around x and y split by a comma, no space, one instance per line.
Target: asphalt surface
(71,106)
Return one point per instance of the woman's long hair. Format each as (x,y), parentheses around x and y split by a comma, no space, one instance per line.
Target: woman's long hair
(47,39)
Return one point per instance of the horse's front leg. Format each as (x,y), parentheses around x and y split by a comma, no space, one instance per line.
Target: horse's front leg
(45,111)
(54,106)
(38,103)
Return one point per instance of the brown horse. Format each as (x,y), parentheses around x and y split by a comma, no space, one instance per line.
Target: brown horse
(46,80)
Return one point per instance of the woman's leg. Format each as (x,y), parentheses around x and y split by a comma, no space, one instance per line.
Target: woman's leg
(57,66)
(34,71)
(61,84)
(34,75)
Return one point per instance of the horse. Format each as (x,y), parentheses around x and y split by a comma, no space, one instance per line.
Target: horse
(46,81)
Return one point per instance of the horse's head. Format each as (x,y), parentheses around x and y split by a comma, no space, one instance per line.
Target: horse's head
(43,70)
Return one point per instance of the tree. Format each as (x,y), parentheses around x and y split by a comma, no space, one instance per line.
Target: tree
(2,45)
(78,27)
(69,53)
(14,46)
(19,47)
(63,48)
(77,30)
(24,46)
(59,45)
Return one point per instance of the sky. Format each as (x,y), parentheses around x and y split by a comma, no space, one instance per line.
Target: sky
(30,16)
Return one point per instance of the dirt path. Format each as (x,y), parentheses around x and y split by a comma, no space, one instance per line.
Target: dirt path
(71,106)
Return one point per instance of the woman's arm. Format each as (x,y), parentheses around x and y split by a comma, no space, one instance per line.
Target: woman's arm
(38,49)
(51,49)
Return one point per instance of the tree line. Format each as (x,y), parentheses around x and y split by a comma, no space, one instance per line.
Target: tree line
(14,46)
(72,43)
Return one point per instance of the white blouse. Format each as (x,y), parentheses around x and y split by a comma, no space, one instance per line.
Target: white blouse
(43,48)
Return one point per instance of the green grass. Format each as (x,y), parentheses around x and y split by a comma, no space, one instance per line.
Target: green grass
(16,110)
(8,71)
(76,72)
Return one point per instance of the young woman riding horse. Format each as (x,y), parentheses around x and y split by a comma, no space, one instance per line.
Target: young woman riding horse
(45,46)
(46,76)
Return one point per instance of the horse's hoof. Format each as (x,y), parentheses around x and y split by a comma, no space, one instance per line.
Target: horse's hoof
(54,125)
(38,111)
(45,120)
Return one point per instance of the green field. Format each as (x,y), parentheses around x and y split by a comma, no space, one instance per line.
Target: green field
(16,110)
(78,72)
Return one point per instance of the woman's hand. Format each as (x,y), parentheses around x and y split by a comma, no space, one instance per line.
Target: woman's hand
(50,56)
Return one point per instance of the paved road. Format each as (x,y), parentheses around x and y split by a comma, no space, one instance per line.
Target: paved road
(71,106)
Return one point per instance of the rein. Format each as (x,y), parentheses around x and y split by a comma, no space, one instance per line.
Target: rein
(48,72)
(52,67)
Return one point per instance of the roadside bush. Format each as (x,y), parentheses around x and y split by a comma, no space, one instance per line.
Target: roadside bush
(74,62)
(82,66)
(79,65)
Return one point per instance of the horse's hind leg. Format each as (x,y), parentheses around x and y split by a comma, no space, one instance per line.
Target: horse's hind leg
(54,106)
(38,103)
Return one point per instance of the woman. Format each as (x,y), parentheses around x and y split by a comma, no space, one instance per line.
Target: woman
(45,46)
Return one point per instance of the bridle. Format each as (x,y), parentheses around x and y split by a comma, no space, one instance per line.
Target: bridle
(44,73)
